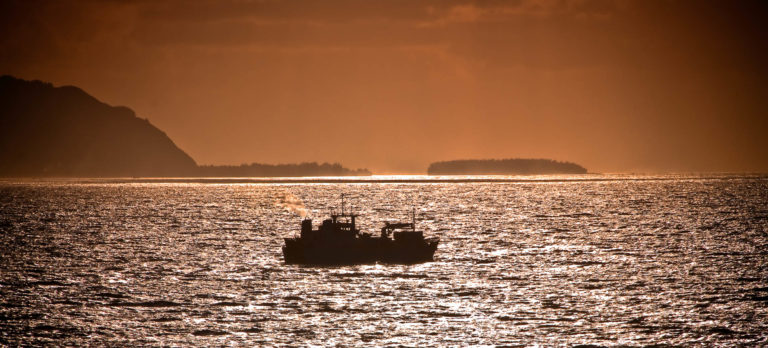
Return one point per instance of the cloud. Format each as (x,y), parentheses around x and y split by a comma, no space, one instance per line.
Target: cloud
(515,76)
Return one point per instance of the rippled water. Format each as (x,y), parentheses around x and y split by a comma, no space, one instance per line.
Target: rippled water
(627,260)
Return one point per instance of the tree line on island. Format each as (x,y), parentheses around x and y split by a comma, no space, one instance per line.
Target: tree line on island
(301,169)
(513,166)
(48,131)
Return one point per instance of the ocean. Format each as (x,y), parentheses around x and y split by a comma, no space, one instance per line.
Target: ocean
(601,260)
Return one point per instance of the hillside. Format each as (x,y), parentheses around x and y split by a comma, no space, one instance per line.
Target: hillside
(48,131)
(63,131)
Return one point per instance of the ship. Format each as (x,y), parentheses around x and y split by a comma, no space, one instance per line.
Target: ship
(338,241)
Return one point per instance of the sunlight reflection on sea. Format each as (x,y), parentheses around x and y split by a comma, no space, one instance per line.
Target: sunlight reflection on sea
(589,259)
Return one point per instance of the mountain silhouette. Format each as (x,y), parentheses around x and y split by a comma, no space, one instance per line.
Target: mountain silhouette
(63,131)
(50,131)
(513,166)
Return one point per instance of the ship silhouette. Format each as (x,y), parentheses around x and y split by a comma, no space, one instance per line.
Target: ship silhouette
(338,241)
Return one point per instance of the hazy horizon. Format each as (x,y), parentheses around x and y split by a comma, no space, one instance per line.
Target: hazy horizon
(615,86)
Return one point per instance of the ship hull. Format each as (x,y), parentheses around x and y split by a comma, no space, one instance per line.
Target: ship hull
(358,251)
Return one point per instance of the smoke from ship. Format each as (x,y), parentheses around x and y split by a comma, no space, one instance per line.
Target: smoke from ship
(292,204)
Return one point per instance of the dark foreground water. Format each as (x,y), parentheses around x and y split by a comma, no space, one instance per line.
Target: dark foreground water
(618,261)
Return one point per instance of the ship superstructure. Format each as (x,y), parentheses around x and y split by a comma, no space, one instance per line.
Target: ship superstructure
(337,240)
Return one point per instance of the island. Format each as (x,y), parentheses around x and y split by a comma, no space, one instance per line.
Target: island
(275,170)
(512,166)
(48,131)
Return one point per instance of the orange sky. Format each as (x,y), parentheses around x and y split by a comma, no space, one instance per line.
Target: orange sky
(615,86)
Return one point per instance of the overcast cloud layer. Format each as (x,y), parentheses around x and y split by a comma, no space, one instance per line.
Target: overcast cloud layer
(394,85)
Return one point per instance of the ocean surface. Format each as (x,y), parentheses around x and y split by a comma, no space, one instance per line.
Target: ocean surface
(555,261)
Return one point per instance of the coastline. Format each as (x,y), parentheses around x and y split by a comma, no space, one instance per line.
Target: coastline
(398,179)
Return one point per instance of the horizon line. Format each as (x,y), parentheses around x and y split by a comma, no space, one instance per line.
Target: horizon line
(399,179)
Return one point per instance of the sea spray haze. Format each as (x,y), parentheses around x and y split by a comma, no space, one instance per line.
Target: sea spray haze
(679,260)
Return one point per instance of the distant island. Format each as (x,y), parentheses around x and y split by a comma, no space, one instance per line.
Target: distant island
(514,166)
(48,131)
(264,170)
